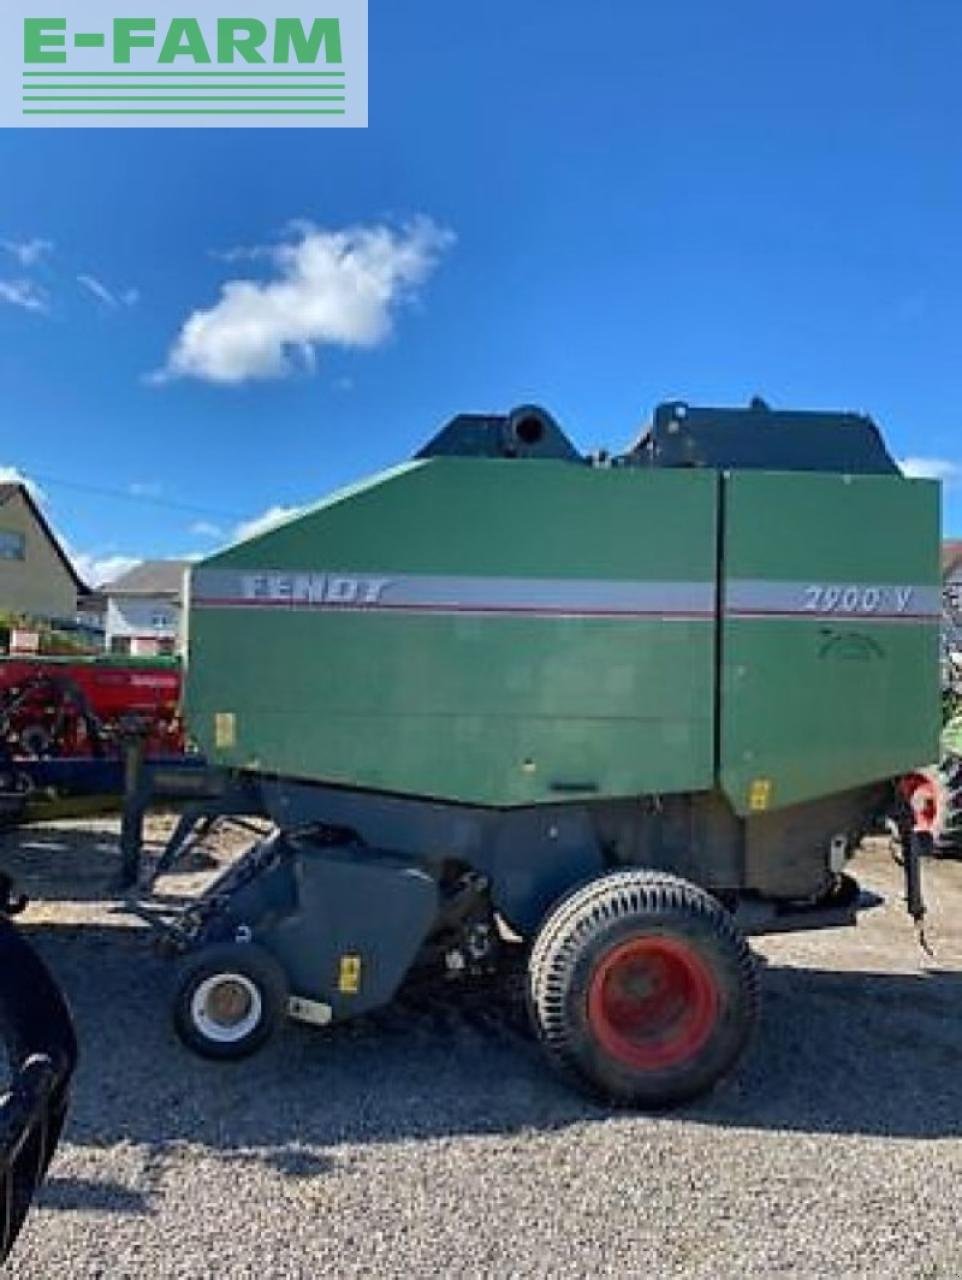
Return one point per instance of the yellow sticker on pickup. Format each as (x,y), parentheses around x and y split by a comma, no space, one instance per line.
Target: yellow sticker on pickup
(349,977)
(760,795)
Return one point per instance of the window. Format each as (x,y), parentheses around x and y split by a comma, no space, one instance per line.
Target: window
(161,621)
(13,545)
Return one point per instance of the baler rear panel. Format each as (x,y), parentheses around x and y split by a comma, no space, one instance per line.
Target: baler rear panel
(831,634)
(545,632)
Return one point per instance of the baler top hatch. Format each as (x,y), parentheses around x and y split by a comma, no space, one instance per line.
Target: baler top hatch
(762,439)
(526,432)
(757,438)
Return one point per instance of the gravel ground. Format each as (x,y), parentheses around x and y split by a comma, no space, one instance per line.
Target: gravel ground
(431,1140)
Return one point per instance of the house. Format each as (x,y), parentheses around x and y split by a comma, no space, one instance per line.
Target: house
(952,597)
(37,579)
(952,563)
(145,607)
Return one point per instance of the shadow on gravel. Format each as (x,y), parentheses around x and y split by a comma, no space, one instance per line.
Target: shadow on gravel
(851,1053)
(63,864)
(839,1053)
(80,1195)
(53,864)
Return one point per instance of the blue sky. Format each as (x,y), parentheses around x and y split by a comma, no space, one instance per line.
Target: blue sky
(595,207)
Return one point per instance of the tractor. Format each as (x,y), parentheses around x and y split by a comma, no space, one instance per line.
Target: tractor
(40,1055)
(623,712)
(935,792)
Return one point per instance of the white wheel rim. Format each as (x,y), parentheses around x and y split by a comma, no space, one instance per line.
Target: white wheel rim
(226,1007)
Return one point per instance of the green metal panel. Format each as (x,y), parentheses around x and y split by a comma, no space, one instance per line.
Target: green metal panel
(830,672)
(537,693)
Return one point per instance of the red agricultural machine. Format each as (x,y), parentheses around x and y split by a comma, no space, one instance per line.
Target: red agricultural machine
(79,707)
(64,723)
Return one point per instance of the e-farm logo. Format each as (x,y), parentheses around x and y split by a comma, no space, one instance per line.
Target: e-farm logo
(277,64)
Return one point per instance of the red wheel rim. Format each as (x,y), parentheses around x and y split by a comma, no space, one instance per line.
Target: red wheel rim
(923,797)
(652,1003)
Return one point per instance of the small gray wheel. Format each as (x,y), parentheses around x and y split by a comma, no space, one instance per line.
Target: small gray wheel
(230,999)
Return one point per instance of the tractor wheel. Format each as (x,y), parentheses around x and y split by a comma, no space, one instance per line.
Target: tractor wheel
(935,797)
(230,999)
(641,989)
(949,839)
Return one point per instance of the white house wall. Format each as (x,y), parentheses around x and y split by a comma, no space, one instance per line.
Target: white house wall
(142,616)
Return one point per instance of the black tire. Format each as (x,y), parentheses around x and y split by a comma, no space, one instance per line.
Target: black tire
(212,1017)
(948,835)
(696,1008)
(936,799)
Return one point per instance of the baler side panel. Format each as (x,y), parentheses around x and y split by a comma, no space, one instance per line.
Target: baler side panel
(547,632)
(830,634)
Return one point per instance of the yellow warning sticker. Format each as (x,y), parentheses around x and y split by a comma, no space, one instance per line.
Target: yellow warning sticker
(760,795)
(225,729)
(349,978)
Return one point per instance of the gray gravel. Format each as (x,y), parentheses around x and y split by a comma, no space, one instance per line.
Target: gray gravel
(431,1140)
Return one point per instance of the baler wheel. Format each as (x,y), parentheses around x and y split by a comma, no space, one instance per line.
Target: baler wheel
(641,989)
(230,999)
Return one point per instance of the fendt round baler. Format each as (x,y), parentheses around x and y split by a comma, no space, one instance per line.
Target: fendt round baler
(629,710)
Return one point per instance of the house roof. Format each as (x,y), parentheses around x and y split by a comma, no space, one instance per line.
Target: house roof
(951,556)
(9,491)
(149,578)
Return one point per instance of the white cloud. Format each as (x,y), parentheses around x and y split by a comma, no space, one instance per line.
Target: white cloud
(931,469)
(126,298)
(97,570)
(25,294)
(268,519)
(144,489)
(337,288)
(206,529)
(27,252)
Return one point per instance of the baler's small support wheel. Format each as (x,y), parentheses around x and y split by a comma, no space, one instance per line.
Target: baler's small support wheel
(230,999)
(642,989)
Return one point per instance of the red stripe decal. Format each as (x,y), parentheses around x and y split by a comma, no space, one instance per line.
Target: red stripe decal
(293,606)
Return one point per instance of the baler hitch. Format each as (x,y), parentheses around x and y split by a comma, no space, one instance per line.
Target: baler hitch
(914,844)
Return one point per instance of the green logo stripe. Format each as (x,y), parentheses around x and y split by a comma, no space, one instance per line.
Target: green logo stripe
(179,111)
(205,74)
(188,97)
(198,91)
